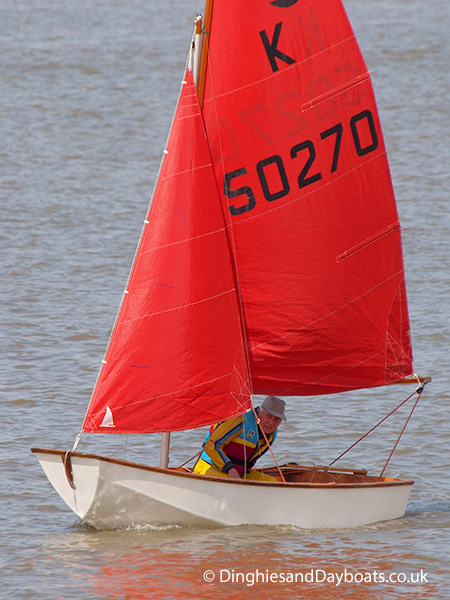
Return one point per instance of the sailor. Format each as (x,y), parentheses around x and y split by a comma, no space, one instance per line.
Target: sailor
(231,448)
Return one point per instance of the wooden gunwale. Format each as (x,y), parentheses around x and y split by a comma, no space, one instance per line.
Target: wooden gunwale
(374,481)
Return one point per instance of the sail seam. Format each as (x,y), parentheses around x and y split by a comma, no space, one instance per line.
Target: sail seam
(355,366)
(368,359)
(190,115)
(189,239)
(183,306)
(340,371)
(182,390)
(289,68)
(186,171)
(393,276)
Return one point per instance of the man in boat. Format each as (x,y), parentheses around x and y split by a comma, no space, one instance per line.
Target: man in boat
(231,448)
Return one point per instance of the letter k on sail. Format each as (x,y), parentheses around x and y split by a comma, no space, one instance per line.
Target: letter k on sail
(272,48)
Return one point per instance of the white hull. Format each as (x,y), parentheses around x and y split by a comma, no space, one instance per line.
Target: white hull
(113,494)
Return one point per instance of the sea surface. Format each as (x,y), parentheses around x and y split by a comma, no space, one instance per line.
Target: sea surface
(88,89)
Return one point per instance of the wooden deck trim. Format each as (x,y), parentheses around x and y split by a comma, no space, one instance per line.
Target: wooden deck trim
(374,483)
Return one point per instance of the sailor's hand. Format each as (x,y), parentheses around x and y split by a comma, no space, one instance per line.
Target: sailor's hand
(233,474)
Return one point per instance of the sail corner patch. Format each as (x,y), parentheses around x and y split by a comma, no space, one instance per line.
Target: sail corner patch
(108,420)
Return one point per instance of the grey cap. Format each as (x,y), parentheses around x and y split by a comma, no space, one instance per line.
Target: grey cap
(275,406)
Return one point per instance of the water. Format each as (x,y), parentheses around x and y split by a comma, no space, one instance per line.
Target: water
(88,90)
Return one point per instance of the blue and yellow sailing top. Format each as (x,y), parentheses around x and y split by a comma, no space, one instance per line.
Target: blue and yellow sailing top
(236,443)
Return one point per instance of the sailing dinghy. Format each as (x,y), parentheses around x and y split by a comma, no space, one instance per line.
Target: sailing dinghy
(270,262)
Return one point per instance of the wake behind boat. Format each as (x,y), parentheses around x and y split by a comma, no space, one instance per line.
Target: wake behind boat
(270,262)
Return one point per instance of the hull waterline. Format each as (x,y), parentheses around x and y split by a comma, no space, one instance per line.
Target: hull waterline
(108,493)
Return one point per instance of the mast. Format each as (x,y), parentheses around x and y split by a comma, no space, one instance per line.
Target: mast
(204,51)
(196,49)
(165,446)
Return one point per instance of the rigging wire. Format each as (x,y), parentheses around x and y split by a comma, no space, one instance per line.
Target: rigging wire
(418,391)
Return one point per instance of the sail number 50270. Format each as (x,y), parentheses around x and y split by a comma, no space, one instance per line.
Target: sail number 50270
(306,151)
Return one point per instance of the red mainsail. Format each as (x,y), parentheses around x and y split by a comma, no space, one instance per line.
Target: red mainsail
(176,358)
(301,165)
(271,261)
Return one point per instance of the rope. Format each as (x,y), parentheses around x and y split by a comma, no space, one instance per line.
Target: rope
(77,441)
(269,446)
(192,457)
(419,391)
